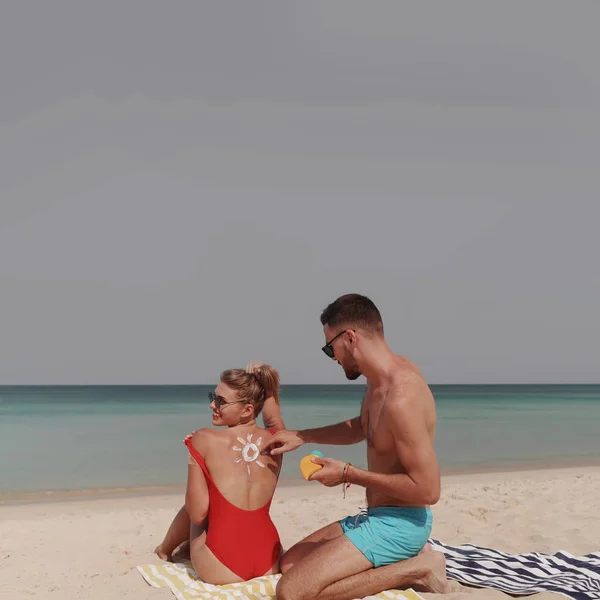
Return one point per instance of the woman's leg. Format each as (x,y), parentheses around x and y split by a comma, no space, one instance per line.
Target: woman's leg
(178,532)
(209,568)
(276,566)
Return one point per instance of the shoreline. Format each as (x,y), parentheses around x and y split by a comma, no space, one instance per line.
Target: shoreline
(448,473)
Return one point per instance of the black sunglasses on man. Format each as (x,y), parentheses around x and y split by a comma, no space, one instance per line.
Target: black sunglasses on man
(328,348)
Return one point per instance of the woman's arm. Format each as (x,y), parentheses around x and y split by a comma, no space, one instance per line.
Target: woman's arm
(271,414)
(271,411)
(196,493)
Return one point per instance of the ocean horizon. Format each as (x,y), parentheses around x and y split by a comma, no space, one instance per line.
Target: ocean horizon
(74,437)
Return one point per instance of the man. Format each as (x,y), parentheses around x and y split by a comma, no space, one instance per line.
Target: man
(386,547)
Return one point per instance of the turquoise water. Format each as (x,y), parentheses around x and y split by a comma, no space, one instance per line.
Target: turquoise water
(60,438)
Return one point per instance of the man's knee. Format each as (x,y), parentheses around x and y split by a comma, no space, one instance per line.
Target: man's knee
(286,562)
(283,591)
(289,589)
(297,553)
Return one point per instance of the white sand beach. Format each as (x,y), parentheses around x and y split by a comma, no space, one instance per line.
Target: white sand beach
(88,548)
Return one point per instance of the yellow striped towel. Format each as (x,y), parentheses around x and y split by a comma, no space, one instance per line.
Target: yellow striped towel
(182,580)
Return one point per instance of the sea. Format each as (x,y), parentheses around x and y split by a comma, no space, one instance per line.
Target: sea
(62,438)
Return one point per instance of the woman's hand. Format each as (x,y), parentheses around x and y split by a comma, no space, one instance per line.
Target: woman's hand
(251,367)
(271,412)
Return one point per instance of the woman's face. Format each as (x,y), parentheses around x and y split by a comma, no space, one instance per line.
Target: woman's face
(228,409)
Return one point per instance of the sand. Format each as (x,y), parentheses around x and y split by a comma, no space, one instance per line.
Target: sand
(88,548)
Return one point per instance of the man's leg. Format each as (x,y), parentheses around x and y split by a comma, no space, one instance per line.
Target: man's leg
(327,563)
(424,573)
(310,543)
(337,570)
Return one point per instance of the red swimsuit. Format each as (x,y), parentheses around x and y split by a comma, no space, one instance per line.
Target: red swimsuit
(245,541)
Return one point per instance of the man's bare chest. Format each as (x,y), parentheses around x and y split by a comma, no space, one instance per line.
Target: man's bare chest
(374,426)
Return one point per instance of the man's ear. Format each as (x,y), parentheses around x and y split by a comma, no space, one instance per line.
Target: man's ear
(352,337)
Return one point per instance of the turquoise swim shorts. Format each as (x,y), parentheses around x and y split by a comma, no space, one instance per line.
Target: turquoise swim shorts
(389,534)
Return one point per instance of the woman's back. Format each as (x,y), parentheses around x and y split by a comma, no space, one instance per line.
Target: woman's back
(241,474)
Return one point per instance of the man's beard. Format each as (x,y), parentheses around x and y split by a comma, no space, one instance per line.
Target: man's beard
(352,372)
(352,375)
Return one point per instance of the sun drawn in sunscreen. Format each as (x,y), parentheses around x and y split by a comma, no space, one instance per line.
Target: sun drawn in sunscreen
(250,451)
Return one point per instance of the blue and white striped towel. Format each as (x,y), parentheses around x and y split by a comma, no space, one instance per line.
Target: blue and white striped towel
(576,577)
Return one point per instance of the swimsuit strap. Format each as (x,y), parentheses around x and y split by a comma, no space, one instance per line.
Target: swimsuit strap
(198,458)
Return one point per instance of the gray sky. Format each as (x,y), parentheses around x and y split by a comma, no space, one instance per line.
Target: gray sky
(184,186)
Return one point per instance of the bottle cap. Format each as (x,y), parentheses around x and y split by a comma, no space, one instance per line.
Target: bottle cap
(317,453)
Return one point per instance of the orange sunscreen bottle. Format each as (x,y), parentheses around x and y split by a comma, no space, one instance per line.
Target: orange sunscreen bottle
(307,467)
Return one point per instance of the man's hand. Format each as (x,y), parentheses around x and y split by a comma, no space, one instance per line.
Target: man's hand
(284,441)
(331,474)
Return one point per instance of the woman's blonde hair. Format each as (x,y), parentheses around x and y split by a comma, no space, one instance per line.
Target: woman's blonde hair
(254,387)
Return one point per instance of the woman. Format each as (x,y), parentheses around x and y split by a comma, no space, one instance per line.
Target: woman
(231,484)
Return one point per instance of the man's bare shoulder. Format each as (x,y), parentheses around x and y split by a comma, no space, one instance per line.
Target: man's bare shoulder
(410,399)
(407,368)
(398,404)
(407,386)
(408,378)
(406,409)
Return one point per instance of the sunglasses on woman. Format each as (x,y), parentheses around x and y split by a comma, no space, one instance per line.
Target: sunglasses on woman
(220,402)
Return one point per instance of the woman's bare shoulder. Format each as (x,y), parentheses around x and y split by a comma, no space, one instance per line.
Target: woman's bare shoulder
(204,439)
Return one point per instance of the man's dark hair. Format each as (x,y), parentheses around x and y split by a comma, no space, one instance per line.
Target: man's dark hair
(353,310)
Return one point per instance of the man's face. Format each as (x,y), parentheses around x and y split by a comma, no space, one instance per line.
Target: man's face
(343,351)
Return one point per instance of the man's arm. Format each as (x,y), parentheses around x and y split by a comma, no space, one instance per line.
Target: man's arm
(420,485)
(340,434)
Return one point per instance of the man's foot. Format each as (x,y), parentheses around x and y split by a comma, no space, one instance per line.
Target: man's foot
(434,565)
(426,548)
(161,553)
